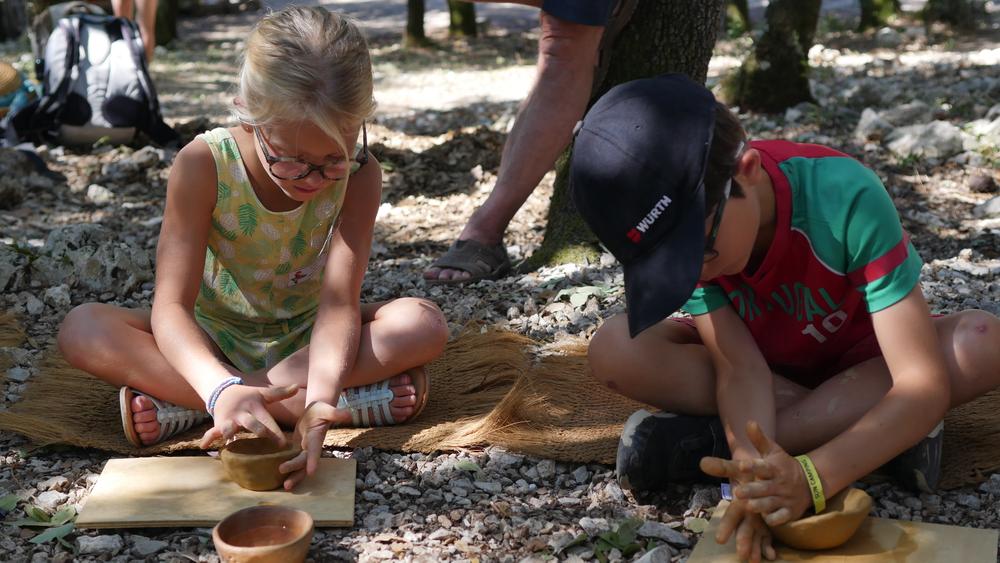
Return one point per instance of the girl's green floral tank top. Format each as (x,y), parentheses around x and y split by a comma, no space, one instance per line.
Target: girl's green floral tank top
(262,266)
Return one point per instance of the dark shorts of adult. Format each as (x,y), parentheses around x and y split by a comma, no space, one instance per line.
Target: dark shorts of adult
(586,12)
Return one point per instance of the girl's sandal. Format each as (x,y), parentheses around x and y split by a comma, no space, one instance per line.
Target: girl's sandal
(369,404)
(172,418)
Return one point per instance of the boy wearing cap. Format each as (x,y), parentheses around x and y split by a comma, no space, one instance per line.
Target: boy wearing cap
(809,335)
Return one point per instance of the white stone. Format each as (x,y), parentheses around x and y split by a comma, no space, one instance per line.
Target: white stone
(99,195)
(871,126)
(988,208)
(661,554)
(32,304)
(51,500)
(908,114)
(659,530)
(19,375)
(58,297)
(58,483)
(969,501)
(594,526)
(99,545)
(938,139)
(144,547)
(491,487)
(888,37)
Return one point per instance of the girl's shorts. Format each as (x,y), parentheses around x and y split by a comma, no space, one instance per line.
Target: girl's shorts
(251,346)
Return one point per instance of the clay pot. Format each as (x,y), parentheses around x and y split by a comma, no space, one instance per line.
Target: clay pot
(264,534)
(843,515)
(252,463)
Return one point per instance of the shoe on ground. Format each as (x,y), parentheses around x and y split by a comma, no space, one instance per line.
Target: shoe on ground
(656,450)
(919,468)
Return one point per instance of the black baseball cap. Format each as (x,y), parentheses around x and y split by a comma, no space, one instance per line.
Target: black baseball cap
(637,178)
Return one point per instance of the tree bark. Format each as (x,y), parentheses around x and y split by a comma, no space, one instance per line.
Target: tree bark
(961,14)
(13,19)
(414,35)
(166,21)
(775,76)
(875,13)
(462,18)
(663,36)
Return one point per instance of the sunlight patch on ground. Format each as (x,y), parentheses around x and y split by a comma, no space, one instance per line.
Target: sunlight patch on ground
(442,90)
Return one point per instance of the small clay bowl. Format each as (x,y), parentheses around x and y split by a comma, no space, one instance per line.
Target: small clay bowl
(252,463)
(264,534)
(843,515)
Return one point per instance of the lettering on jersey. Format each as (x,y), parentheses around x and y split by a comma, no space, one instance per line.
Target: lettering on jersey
(797,301)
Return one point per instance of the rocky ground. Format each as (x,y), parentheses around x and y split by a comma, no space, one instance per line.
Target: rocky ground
(922,109)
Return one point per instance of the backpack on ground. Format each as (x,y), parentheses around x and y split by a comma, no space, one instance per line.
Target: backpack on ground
(46,21)
(95,85)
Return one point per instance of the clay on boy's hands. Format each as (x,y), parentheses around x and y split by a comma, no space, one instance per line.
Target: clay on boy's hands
(772,485)
(753,538)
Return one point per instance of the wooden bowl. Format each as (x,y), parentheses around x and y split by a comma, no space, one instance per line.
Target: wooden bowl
(844,514)
(253,462)
(264,534)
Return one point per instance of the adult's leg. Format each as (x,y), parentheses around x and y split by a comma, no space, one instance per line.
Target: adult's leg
(122,8)
(567,55)
(146,18)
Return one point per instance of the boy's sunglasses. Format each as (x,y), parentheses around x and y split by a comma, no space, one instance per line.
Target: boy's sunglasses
(710,252)
(291,168)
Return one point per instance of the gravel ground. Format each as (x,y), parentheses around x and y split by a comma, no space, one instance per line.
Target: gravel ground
(443,119)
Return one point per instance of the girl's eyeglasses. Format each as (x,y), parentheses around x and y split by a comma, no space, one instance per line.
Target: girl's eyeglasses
(291,168)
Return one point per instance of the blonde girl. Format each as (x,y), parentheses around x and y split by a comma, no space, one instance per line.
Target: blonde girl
(264,243)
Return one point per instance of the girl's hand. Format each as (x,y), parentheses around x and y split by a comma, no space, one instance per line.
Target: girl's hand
(773,485)
(243,407)
(753,537)
(310,431)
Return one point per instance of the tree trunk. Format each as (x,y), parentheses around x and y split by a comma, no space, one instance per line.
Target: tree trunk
(414,35)
(663,36)
(962,14)
(875,13)
(166,21)
(462,21)
(775,76)
(13,19)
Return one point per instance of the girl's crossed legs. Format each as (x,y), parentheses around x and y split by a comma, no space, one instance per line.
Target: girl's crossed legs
(117,345)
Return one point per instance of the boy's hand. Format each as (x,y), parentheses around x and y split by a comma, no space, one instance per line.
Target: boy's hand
(753,537)
(243,407)
(773,485)
(310,431)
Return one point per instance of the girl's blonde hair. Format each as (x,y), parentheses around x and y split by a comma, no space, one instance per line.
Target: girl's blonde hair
(306,64)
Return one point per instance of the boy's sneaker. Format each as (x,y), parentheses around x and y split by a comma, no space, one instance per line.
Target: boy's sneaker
(919,468)
(656,450)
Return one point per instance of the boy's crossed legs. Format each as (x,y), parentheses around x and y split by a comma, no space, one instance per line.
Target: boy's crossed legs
(668,367)
(117,345)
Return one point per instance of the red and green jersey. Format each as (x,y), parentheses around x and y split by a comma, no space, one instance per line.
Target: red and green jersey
(839,254)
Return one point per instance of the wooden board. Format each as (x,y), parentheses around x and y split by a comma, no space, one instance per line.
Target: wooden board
(879,540)
(152,492)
